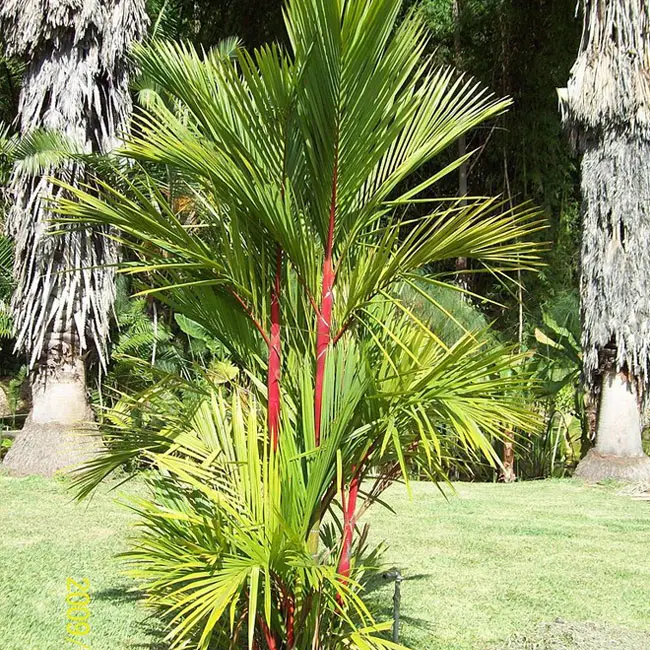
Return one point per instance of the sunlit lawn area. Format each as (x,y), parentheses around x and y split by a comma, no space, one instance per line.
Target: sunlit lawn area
(492,561)
(44,539)
(498,559)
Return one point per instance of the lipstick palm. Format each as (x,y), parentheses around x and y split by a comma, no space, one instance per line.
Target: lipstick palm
(304,231)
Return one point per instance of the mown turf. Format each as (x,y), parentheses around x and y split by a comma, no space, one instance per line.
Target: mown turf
(499,559)
(44,539)
(563,635)
(492,562)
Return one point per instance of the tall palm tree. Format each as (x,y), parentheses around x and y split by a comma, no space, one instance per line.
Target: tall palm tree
(76,82)
(607,107)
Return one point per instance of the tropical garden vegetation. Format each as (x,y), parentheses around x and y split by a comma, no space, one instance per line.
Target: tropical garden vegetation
(293,237)
(341,264)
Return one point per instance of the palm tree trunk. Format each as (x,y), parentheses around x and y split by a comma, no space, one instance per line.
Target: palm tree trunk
(615,302)
(56,433)
(349,522)
(462,265)
(64,284)
(618,453)
(606,106)
(324,317)
(508,474)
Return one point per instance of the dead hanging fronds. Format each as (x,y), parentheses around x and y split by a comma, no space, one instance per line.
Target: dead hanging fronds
(609,85)
(606,107)
(76,82)
(615,282)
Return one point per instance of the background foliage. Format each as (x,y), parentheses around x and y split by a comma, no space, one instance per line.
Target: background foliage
(523,48)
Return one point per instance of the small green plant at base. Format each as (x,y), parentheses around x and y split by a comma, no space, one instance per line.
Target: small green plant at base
(5,445)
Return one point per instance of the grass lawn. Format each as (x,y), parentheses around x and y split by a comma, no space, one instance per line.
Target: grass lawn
(492,561)
(44,539)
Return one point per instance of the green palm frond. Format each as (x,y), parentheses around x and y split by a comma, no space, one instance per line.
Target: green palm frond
(221,554)
(42,149)
(8,145)
(6,286)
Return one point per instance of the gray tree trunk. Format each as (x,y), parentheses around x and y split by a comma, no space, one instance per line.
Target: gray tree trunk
(618,453)
(76,82)
(461,263)
(59,432)
(606,106)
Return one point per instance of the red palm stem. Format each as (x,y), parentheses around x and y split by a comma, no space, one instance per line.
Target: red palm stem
(349,522)
(290,614)
(271,642)
(323,330)
(275,358)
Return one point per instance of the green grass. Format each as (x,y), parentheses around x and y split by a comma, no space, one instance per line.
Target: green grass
(492,561)
(497,559)
(44,539)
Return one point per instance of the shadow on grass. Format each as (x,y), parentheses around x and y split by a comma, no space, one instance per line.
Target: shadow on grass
(120,594)
(150,627)
(156,642)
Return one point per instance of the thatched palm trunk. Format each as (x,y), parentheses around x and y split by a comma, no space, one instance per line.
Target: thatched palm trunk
(76,82)
(607,108)
(615,301)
